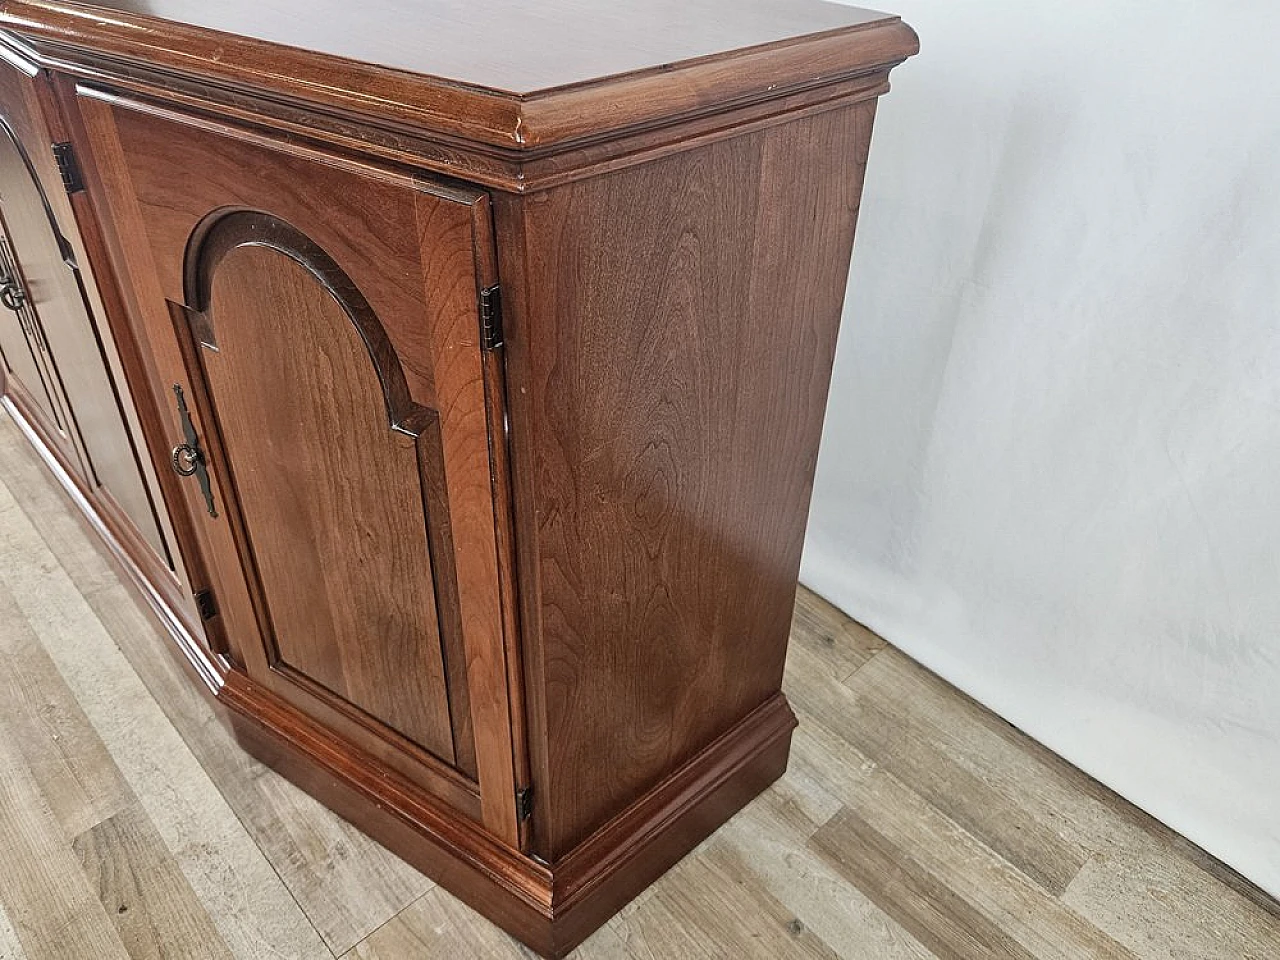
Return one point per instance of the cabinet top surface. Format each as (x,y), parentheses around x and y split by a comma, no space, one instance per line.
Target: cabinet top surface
(505,45)
(494,74)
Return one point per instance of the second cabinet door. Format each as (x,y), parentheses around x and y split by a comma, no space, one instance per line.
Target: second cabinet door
(63,366)
(315,334)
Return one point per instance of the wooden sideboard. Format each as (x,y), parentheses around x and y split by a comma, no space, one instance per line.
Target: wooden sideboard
(448,381)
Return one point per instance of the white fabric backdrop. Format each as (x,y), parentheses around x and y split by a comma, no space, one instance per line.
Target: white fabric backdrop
(1051,467)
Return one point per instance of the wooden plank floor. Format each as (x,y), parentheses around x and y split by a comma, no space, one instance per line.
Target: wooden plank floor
(912,823)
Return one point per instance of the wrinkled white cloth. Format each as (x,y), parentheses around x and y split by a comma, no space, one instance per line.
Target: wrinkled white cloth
(1051,466)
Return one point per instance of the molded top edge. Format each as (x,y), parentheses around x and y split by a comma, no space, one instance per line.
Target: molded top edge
(479,70)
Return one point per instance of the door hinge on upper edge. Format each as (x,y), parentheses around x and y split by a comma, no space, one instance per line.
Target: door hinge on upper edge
(68,167)
(206,606)
(524,803)
(490,318)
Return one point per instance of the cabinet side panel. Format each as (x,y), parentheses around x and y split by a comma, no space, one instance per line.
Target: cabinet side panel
(670,353)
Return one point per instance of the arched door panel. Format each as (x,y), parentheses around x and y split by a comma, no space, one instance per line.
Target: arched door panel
(321,319)
(329,471)
(53,343)
(24,346)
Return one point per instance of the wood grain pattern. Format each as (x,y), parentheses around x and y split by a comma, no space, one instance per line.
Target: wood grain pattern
(418,148)
(143,891)
(24,226)
(90,570)
(662,495)
(1149,891)
(944,922)
(769,841)
(59,303)
(49,901)
(56,741)
(436,925)
(524,50)
(619,79)
(495,400)
(1140,893)
(334,517)
(346,884)
(10,945)
(841,644)
(24,367)
(457,265)
(104,300)
(613,508)
(910,754)
(726,919)
(439,925)
(986,887)
(438,372)
(250,908)
(633,849)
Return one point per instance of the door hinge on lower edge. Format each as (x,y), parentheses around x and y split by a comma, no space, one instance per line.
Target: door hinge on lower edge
(524,803)
(205,604)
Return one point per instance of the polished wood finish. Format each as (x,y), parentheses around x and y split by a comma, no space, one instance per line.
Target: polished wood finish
(669,489)
(500,73)
(428,380)
(56,346)
(510,592)
(501,46)
(28,372)
(258,283)
(27,359)
(513,139)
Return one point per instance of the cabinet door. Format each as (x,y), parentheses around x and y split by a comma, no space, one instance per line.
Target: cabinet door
(315,332)
(31,375)
(62,368)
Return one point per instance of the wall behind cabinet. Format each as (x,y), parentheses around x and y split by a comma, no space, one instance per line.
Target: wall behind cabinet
(1051,467)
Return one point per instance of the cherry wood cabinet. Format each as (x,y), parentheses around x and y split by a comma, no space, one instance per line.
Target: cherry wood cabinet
(56,359)
(476,369)
(342,442)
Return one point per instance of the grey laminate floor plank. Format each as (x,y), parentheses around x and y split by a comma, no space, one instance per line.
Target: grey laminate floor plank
(987,885)
(891,729)
(912,823)
(715,901)
(346,884)
(252,909)
(437,925)
(1161,907)
(842,644)
(63,753)
(922,903)
(768,840)
(144,892)
(50,908)
(10,947)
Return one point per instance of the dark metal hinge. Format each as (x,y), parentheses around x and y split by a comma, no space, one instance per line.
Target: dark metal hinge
(68,167)
(524,803)
(490,318)
(205,604)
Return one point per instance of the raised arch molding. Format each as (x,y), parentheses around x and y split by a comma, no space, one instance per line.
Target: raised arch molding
(220,233)
(348,651)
